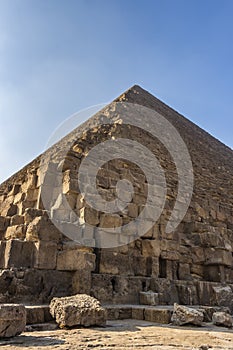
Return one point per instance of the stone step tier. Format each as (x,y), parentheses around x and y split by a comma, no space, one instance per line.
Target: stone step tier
(39,314)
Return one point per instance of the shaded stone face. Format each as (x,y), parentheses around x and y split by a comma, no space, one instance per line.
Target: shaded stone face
(12,320)
(39,261)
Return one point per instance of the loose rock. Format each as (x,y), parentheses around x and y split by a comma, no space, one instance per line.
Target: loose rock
(222,319)
(78,310)
(185,315)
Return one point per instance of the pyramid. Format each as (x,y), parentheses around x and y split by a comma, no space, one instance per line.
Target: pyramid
(54,242)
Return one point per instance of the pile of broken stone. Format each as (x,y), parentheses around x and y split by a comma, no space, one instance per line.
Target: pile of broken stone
(85,311)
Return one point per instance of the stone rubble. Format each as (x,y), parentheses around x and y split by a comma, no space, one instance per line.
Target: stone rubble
(78,310)
(222,319)
(185,315)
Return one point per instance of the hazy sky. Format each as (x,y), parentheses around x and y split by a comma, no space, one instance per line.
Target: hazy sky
(57,57)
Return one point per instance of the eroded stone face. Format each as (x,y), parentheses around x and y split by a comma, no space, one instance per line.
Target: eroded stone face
(78,310)
(12,320)
(184,315)
(222,319)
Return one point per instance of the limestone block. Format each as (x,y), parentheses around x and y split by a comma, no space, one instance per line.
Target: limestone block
(9,209)
(132,210)
(17,220)
(222,296)
(41,228)
(150,248)
(4,222)
(31,213)
(218,256)
(141,266)
(22,206)
(16,231)
(184,315)
(111,220)
(19,254)
(32,195)
(35,314)
(120,312)
(81,282)
(45,255)
(78,310)
(154,267)
(19,197)
(184,272)
(138,313)
(89,215)
(115,263)
(170,250)
(72,260)
(12,320)
(70,186)
(197,254)
(210,310)
(222,319)
(16,189)
(158,315)
(149,298)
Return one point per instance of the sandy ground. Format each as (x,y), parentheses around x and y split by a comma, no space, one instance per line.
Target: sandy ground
(127,334)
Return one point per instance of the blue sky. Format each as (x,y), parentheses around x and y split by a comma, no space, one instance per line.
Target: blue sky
(58,57)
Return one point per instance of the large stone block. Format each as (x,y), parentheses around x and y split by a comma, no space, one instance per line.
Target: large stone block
(45,255)
(222,319)
(78,310)
(81,282)
(12,320)
(31,213)
(150,248)
(4,222)
(218,257)
(41,228)
(19,254)
(222,295)
(74,259)
(16,231)
(158,315)
(110,221)
(184,315)
(149,298)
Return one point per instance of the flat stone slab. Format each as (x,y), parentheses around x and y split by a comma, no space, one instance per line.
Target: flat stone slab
(12,320)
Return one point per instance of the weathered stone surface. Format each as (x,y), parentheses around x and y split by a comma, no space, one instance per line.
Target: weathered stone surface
(46,255)
(149,298)
(223,296)
(12,320)
(208,311)
(184,315)
(75,259)
(158,315)
(38,314)
(78,310)
(222,319)
(41,228)
(19,254)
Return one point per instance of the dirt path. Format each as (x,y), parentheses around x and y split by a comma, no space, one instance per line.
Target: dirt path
(127,334)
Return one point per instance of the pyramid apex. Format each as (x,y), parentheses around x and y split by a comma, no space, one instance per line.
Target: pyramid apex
(133,91)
